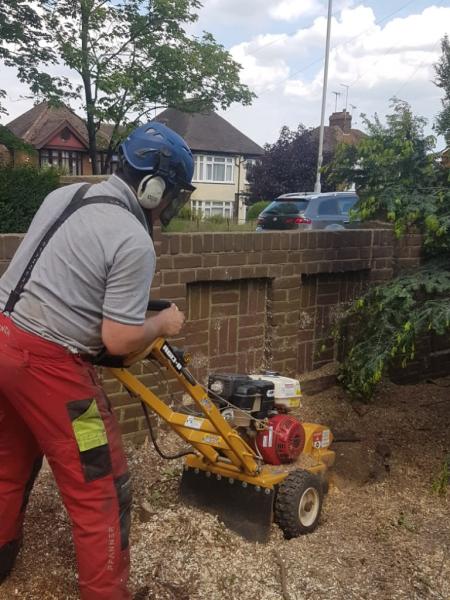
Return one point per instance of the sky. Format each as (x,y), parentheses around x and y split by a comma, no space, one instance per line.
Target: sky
(379,49)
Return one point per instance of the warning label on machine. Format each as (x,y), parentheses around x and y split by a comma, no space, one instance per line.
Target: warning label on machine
(193,422)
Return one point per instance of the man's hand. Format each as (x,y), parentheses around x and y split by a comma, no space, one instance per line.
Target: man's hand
(171,321)
(120,339)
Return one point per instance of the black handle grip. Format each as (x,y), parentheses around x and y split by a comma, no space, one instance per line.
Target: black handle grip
(157,305)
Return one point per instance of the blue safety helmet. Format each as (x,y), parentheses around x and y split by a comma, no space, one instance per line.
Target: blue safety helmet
(155,149)
(154,152)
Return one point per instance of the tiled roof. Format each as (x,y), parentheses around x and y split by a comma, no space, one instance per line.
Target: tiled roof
(332,136)
(208,132)
(43,121)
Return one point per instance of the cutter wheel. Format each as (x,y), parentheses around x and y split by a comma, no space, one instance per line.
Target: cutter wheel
(298,503)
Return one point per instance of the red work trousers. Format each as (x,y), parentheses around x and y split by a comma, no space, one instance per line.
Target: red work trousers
(51,403)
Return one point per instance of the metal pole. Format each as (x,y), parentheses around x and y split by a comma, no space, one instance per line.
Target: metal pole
(317,186)
(346,93)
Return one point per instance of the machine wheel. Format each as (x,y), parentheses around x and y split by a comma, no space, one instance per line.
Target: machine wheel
(298,503)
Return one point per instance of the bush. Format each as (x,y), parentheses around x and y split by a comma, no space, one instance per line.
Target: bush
(217,219)
(22,190)
(255,209)
(186,213)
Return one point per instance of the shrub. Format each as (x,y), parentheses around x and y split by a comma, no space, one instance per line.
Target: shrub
(185,213)
(22,190)
(217,219)
(255,209)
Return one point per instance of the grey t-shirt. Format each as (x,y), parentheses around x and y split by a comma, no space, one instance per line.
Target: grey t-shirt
(99,263)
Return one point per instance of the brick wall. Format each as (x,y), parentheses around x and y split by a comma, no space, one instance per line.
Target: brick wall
(256,300)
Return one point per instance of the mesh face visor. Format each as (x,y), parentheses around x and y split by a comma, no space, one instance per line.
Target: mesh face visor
(178,196)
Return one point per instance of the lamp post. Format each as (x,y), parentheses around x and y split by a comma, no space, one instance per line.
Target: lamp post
(317,186)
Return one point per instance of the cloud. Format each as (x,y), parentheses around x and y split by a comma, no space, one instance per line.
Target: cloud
(262,76)
(362,52)
(377,61)
(286,10)
(250,12)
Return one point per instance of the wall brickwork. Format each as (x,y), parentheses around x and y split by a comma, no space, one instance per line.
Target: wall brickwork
(255,300)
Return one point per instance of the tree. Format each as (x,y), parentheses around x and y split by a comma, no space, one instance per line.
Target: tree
(442,69)
(128,58)
(395,155)
(288,165)
(400,180)
(20,33)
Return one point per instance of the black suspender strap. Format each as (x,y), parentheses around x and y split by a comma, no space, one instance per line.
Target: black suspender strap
(78,201)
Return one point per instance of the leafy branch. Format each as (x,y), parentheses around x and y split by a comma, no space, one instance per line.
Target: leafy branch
(400,180)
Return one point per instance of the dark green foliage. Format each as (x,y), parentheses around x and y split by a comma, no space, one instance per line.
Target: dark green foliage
(12,142)
(22,190)
(380,330)
(288,165)
(399,180)
(21,32)
(442,69)
(394,155)
(255,209)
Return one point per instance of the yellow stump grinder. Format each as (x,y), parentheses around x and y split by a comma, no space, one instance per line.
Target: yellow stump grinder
(245,446)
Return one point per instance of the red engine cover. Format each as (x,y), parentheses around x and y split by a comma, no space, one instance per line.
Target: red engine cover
(283,441)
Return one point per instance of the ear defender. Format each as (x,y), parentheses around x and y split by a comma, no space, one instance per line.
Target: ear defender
(150,191)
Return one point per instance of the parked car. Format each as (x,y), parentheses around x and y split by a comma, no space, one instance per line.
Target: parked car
(308,211)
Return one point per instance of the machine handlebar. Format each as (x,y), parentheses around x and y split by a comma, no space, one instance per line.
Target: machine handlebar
(157,305)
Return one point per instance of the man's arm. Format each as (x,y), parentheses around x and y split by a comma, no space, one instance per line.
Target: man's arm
(123,339)
(124,326)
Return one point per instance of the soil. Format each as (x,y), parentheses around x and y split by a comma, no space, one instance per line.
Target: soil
(384,532)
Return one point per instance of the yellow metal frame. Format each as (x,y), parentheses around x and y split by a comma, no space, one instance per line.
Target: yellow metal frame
(218,448)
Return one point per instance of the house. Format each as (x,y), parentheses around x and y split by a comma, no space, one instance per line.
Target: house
(339,131)
(60,138)
(222,154)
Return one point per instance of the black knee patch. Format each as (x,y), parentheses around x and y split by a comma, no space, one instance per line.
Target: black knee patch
(8,554)
(29,484)
(124,498)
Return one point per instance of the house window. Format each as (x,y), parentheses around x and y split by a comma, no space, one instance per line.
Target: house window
(114,163)
(70,162)
(211,208)
(213,169)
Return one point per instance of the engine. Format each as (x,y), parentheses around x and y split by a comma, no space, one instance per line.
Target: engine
(258,406)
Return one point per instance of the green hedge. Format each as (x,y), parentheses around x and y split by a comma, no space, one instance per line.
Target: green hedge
(22,190)
(255,209)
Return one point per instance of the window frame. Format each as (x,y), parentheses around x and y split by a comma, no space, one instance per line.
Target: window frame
(206,163)
(209,208)
(72,159)
(113,165)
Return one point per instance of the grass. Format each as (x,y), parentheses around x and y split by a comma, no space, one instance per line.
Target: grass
(214,224)
(442,479)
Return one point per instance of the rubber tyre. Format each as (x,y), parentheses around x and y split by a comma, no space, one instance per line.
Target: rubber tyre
(298,503)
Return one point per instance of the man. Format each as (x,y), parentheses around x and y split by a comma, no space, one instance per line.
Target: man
(80,283)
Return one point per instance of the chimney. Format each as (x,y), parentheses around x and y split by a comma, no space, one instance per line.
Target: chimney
(343,120)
